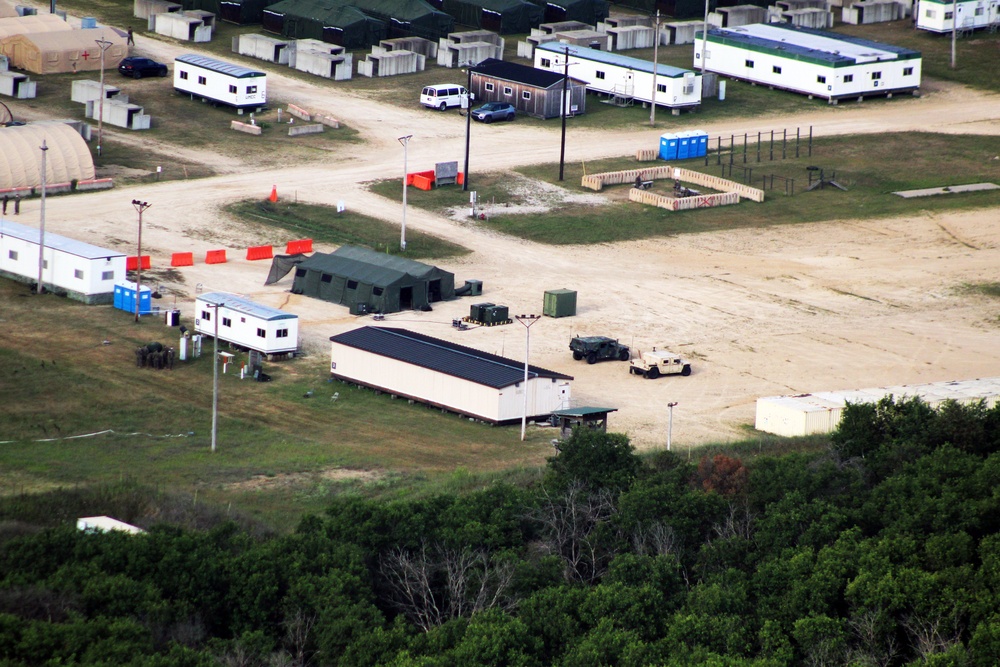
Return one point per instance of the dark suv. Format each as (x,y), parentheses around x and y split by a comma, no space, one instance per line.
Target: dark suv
(492,111)
(137,67)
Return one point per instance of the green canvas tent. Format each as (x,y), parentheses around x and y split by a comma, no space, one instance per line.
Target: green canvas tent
(240,12)
(407,18)
(372,282)
(586,11)
(502,16)
(331,21)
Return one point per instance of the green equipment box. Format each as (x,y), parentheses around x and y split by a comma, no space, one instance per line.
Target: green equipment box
(559,303)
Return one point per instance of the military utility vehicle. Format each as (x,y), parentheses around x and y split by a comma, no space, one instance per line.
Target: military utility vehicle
(658,362)
(598,348)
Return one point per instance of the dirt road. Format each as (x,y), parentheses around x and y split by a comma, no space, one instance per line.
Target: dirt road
(825,306)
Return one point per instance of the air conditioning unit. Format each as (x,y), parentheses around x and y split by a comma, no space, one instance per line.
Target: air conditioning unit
(688,89)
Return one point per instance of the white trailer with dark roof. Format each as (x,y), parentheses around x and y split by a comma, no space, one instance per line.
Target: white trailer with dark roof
(622,77)
(817,63)
(220,82)
(246,324)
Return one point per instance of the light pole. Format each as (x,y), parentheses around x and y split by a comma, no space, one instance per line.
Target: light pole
(468,123)
(41,231)
(215,379)
(656,44)
(670,424)
(140,206)
(527,321)
(954,31)
(402,236)
(104,44)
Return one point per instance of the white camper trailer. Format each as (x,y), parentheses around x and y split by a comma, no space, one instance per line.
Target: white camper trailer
(220,82)
(624,78)
(246,324)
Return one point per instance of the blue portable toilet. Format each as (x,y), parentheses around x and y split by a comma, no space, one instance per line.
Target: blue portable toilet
(684,142)
(125,298)
(700,143)
(668,146)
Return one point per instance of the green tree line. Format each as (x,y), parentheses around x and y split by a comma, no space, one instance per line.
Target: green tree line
(882,551)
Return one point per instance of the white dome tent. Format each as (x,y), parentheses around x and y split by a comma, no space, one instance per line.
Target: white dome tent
(68,158)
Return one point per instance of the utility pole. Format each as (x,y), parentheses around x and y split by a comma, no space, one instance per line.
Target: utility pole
(215,380)
(562,147)
(468,121)
(656,65)
(105,45)
(704,47)
(140,206)
(954,33)
(402,234)
(527,321)
(41,232)
(670,424)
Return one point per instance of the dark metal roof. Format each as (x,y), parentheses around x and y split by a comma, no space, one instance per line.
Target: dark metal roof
(529,76)
(583,412)
(442,356)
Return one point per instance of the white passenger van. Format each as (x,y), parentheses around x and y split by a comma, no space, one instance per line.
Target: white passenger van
(442,96)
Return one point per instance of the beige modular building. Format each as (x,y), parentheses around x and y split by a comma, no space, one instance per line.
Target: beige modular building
(453,377)
(806,414)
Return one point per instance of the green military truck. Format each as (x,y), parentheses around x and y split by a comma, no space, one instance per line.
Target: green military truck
(598,348)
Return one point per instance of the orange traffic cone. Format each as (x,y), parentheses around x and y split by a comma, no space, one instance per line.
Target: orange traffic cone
(274,194)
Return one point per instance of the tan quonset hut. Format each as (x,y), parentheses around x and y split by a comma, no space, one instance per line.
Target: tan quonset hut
(64,51)
(67,159)
(446,375)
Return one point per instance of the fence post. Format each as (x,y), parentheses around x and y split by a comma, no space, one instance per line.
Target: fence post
(732,150)
(772,147)
(758,146)
(810,141)
(744,148)
(784,143)
(798,131)
(718,150)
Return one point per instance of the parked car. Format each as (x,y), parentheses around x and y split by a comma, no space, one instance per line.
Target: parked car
(137,67)
(492,111)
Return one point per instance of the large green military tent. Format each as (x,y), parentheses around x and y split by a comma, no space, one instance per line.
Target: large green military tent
(407,18)
(502,16)
(240,12)
(586,11)
(372,282)
(331,21)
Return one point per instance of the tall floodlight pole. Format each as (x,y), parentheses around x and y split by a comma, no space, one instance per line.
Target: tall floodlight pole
(527,321)
(656,65)
(41,231)
(215,380)
(954,31)
(562,146)
(104,44)
(140,206)
(402,235)
(468,123)
(670,424)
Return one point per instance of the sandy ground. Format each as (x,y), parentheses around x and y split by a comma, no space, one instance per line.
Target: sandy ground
(834,305)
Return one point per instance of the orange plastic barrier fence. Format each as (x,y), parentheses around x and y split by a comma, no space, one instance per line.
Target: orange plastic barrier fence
(215,257)
(411,177)
(132,263)
(423,182)
(260,252)
(299,247)
(461,178)
(182,259)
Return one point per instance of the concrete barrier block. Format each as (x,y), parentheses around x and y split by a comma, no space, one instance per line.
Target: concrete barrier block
(329,121)
(299,112)
(245,127)
(296,130)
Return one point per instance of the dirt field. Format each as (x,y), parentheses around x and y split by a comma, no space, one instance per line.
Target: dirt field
(836,305)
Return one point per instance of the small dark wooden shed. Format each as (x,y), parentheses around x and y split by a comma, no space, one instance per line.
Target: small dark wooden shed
(534,92)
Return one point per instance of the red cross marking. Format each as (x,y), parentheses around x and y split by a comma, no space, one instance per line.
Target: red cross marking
(85,55)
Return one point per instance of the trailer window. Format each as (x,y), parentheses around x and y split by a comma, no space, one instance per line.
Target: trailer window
(232,89)
(507,90)
(820,79)
(202,81)
(261,333)
(489,87)
(226,322)
(876,76)
(661,87)
(947,15)
(12,254)
(78,274)
(930,13)
(748,63)
(184,75)
(526,94)
(207,316)
(600,75)
(848,78)
(282,333)
(907,71)
(776,69)
(546,62)
(251,90)
(108,275)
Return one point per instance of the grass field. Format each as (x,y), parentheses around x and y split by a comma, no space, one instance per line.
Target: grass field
(870,169)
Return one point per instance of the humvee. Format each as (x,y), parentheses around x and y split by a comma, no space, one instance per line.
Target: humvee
(598,348)
(653,364)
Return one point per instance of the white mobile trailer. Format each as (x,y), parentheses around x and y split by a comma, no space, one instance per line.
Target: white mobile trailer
(937,15)
(622,76)
(246,324)
(82,271)
(818,63)
(219,81)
